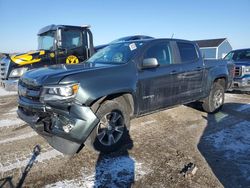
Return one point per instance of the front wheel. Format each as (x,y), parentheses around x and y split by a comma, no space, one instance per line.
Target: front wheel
(110,132)
(215,100)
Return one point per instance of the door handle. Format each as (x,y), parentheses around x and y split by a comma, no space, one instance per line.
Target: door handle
(198,68)
(173,72)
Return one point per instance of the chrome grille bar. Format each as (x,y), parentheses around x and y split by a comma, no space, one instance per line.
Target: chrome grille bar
(238,71)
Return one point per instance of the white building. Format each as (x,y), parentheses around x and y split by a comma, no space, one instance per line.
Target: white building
(214,48)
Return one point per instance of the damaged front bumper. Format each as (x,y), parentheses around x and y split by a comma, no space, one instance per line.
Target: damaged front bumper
(65,128)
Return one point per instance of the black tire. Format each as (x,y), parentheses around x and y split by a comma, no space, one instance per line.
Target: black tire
(111,131)
(214,102)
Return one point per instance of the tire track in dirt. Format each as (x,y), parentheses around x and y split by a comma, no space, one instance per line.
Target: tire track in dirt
(21,163)
(17,138)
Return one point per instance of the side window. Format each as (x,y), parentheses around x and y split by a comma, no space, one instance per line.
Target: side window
(71,39)
(161,52)
(188,52)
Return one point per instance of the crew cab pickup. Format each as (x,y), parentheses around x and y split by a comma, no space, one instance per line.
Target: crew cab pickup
(241,59)
(96,99)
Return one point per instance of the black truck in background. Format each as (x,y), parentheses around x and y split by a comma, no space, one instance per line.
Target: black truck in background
(57,44)
(67,104)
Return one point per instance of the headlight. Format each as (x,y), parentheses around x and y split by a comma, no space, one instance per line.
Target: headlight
(247,70)
(18,72)
(59,92)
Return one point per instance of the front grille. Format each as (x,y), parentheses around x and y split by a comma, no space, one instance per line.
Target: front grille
(238,71)
(4,66)
(29,86)
(28,91)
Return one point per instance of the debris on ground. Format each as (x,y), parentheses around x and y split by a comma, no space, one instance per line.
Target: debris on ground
(189,170)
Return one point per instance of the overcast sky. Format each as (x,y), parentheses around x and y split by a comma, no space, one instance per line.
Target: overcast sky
(111,19)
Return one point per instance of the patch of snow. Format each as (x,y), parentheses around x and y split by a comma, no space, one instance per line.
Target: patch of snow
(243,107)
(235,96)
(219,116)
(19,164)
(11,122)
(148,122)
(3,92)
(20,137)
(192,126)
(245,170)
(234,143)
(226,118)
(110,172)
(49,155)
(66,184)
(12,111)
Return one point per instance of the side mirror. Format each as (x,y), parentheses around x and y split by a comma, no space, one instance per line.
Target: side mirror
(59,44)
(150,63)
(59,38)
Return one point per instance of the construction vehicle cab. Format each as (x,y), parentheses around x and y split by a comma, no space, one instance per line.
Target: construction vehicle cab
(57,44)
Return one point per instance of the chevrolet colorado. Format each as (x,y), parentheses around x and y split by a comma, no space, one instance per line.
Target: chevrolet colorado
(96,99)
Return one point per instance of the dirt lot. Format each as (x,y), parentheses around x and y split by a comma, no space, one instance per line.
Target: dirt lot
(159,147)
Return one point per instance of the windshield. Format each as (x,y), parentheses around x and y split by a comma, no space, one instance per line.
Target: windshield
(116,53)
(239,55)
(46,41)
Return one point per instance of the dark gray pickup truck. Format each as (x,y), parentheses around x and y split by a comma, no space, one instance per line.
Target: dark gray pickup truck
(96,99)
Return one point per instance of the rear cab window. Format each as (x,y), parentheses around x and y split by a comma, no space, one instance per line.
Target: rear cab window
(188,52)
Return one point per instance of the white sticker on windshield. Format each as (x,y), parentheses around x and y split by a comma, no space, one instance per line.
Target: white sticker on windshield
(132,46)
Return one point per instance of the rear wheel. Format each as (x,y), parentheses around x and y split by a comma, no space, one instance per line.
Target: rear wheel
(110,132)
(215,100)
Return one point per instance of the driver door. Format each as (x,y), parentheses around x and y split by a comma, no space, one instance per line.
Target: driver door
(159,86)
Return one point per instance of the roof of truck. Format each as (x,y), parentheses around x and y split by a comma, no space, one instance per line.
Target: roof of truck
(242,49)
(53,27)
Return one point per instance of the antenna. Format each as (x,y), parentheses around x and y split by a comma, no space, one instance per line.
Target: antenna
(172,36)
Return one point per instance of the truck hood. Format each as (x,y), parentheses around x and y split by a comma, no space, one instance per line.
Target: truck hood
(242,63)
(28,58)
(53,74)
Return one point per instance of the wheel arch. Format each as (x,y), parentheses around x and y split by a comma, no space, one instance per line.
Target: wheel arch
(221,80)
(127,98)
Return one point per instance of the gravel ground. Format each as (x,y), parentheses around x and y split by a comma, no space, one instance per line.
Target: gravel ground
(158,148)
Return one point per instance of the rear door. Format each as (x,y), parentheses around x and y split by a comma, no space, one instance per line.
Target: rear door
(158,86)
(192,73)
